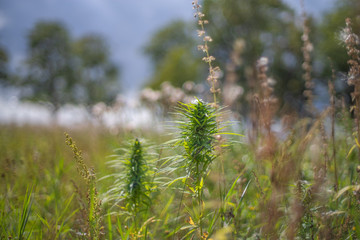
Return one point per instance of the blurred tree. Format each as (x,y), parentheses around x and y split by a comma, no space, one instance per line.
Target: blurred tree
(50,75)
(60,70)
(97,74)
(177,67)
(331,44)
(268,29)
(4,59)
(173,52)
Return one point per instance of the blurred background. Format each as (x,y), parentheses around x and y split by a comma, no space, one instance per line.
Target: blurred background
(125,62)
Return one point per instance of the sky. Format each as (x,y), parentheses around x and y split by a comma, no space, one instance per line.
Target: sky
(126,25)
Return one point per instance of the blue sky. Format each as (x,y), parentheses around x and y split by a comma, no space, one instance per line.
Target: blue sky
(127,26)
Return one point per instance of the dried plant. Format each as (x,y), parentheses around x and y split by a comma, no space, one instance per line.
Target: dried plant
(214,71)
(351,41)
(333,116)
(306,66)
(231,90)
(267,106)
(93,202)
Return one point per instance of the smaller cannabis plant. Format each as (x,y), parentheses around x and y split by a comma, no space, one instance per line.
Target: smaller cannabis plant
(136,190)
(133,185)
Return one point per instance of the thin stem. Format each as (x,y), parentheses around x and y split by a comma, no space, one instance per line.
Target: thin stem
(199,197)
(332,100)
(199,193)
(357,114)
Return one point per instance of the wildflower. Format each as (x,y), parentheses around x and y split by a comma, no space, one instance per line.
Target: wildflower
(207,39)
(251,208)
(203,48)
(208,59)
(200,32)
(196,100)
(262,62)
(347,36)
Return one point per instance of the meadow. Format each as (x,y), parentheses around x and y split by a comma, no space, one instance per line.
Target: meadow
(204,176)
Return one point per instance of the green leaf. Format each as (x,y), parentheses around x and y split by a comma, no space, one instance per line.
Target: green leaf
(231,189)
(175,180)
(347,188)
(228,133)
(351,150)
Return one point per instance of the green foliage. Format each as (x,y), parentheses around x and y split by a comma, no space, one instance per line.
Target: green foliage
(39,155)
(172,51)
(4,59)
(268,29)
(270,188)
(57,205)
(331,43)
(96,73)
(21,228)
(50,74)
(25,216)
(178,66)
(198,128)
(175,34)
(134,182)
(262,24)
(136,190)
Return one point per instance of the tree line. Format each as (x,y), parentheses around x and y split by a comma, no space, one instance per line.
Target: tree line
(59,69)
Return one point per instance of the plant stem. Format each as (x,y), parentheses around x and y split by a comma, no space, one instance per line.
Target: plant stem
(201,210)
(332,102)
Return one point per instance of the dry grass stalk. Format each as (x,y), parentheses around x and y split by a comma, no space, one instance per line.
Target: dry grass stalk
(269,150)
(232,91)
(93,210)
(267,106)
(333,112)
(351,41)
(306,50)
(214,71)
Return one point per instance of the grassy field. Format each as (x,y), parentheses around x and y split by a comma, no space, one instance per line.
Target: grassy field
(262,189)
(205,177)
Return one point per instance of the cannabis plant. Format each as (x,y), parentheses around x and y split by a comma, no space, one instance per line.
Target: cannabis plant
(198,128)
(133,184)
(197,137)
(136,190)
